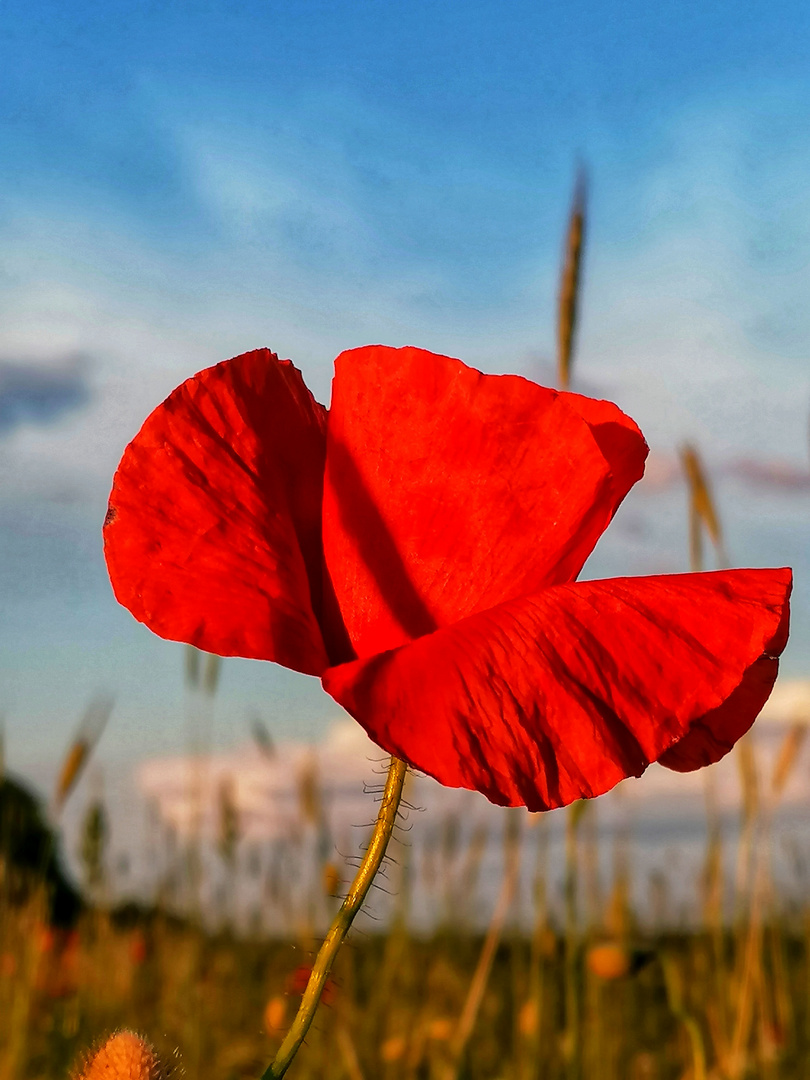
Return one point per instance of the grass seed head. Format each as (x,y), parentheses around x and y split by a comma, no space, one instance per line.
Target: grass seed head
(702,510)
(570,281)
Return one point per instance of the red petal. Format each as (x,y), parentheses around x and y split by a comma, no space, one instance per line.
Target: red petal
(558,696)
(713,735)
(213,531)
(448,491)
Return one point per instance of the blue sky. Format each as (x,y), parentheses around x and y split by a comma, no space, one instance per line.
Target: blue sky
(182,182)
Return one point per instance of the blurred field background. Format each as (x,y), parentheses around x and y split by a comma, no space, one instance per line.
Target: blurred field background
(661,931)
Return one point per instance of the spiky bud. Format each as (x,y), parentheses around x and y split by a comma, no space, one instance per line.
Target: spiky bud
(124,1056)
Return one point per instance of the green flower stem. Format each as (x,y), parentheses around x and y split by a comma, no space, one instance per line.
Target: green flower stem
(375,853)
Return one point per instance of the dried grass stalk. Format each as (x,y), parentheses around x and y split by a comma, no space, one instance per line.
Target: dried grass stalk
(570,281)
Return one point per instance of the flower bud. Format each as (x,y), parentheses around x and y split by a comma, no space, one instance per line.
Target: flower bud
(124,1056)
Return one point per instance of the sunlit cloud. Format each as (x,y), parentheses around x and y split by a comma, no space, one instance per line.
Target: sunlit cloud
(309,803)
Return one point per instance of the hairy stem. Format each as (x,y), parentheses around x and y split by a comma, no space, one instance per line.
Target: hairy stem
(375,853)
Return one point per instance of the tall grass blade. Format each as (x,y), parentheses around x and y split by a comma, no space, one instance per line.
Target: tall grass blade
(788,755)
(192,667)
(478,983)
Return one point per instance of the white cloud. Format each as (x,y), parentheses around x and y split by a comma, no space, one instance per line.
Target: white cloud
(345,764)
(660,820)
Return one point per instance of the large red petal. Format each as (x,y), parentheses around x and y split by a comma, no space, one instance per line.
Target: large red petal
(713,735)
(558,696)
(448,491)
(213,532)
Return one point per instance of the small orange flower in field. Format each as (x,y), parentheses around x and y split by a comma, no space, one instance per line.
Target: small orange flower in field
(772,1041)
(297,981)
(59,958)
(124,1056)
(393,1048)
(441,1029)
(46,937)
(529,1018)
(138,948)
(275,1015)
(608,960)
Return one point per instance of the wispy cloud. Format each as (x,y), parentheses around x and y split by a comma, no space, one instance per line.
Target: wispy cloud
(345,764)
(663,812)
(334,224)
(695,312)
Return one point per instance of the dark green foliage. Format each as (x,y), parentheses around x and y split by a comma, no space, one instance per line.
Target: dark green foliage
(29,857)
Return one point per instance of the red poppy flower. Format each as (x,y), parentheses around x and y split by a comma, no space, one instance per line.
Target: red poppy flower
(297,980)
(417,547)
